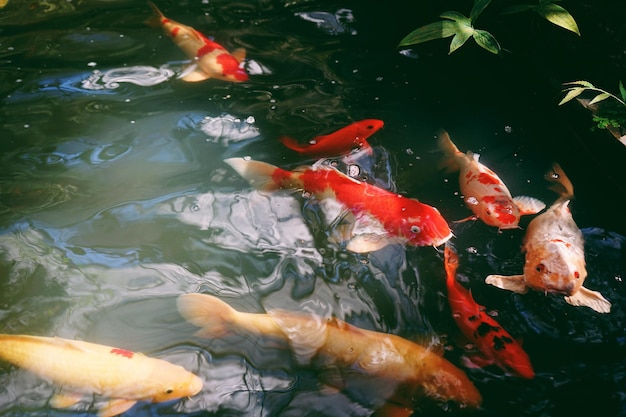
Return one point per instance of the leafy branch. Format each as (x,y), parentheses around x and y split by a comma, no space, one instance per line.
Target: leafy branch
(578,87)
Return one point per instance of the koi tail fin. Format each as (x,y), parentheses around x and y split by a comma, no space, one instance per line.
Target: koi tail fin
(561,183)
(156,18)
(211,314)
(263,176)
(290,143)
(450,162)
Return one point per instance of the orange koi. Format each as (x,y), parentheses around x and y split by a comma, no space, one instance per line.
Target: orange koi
(82,368)
(493,341)
(555,253)
(484,192)
(340,142)
(393,218)
(210,59)
(405,370)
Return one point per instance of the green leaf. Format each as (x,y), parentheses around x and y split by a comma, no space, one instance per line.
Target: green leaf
(477,9)
(585,84)
(600,97)
(486,41)
(518,8)
(622,90)
(457,17)
(459,39)
(436,30)
(572,93)
(559,16)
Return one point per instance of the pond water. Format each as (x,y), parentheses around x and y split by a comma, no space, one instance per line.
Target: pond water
(114,198)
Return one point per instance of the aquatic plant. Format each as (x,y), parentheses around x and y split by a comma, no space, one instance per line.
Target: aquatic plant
(462,27)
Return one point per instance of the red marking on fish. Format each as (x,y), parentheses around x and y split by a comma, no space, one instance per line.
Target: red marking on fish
(174,32)
(122,352)
(567,244)
(340,142)
(230,66)
(485,178)
(481,329)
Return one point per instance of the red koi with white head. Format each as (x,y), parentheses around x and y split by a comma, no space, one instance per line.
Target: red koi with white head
(493,341)
(210,59)
(340,142)
(555,254)
(484,192)
(400,219)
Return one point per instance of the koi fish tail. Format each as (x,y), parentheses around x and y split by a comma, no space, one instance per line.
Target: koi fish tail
(450,162)
(561,183)
(156,18)
(291,143)
(211,314)
(264,176)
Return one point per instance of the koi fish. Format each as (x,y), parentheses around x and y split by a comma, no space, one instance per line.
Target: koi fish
(494,342)
(82,368)
(210,59)
(392,218)
(340,142)
(484,192)
(554,253)
(397,365)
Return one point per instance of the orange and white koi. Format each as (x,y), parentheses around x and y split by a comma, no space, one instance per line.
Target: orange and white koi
(210,59)
(482,330)
(404,371)
(82,368)
(554,253)
(394,218)
(340,142)
(484,192)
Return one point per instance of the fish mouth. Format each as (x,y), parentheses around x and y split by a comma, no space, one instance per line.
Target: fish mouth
(441,241)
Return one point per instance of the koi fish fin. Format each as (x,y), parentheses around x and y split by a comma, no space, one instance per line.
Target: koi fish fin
(239,54)
(210,313)
(368,242)
(450,162)
(156,18)
(258,174)
(561,184)
(591,299)
(515,283)
(290,143)
(390,409)
(193,74)
(474,360)
(64,400)
(528,205)
(115,407)
(305,336)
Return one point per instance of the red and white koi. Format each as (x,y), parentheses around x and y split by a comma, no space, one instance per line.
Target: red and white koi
(404,372)
(210,59)
(554,253)
(338,143)
(482,330)
(394,218)
(82,368)
(484,192)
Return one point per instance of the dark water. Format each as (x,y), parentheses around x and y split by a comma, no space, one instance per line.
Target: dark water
(114,198)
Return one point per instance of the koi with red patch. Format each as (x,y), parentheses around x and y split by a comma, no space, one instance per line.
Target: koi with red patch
(554,253)
(484,192)
(210,59)
(393,218)
(340,142)
(482,330)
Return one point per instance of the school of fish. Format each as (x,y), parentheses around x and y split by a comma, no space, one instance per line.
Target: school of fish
(403,372)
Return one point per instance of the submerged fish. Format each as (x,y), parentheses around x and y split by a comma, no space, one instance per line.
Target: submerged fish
(555,255)
(494,342)
(210,59)
(340,142)
(82,368)
(404,371)
(393,218)
(484,192)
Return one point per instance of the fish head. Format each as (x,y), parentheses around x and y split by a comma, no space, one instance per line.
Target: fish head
(494,210)
(363,129)
(423,225)
(445,383)
(555,268)
(175,385)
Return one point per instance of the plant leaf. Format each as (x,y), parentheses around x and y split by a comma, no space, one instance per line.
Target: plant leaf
(486,41)
(586,84)
(477,9)
(518,8)
(457,17)
(436,30)
(459,39)
(572,93)
(600,97)
(622,90)
(559,16)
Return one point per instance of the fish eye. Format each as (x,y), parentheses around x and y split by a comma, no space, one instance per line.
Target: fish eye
(370,127)
(415,229)
(540,267)
(169,391)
